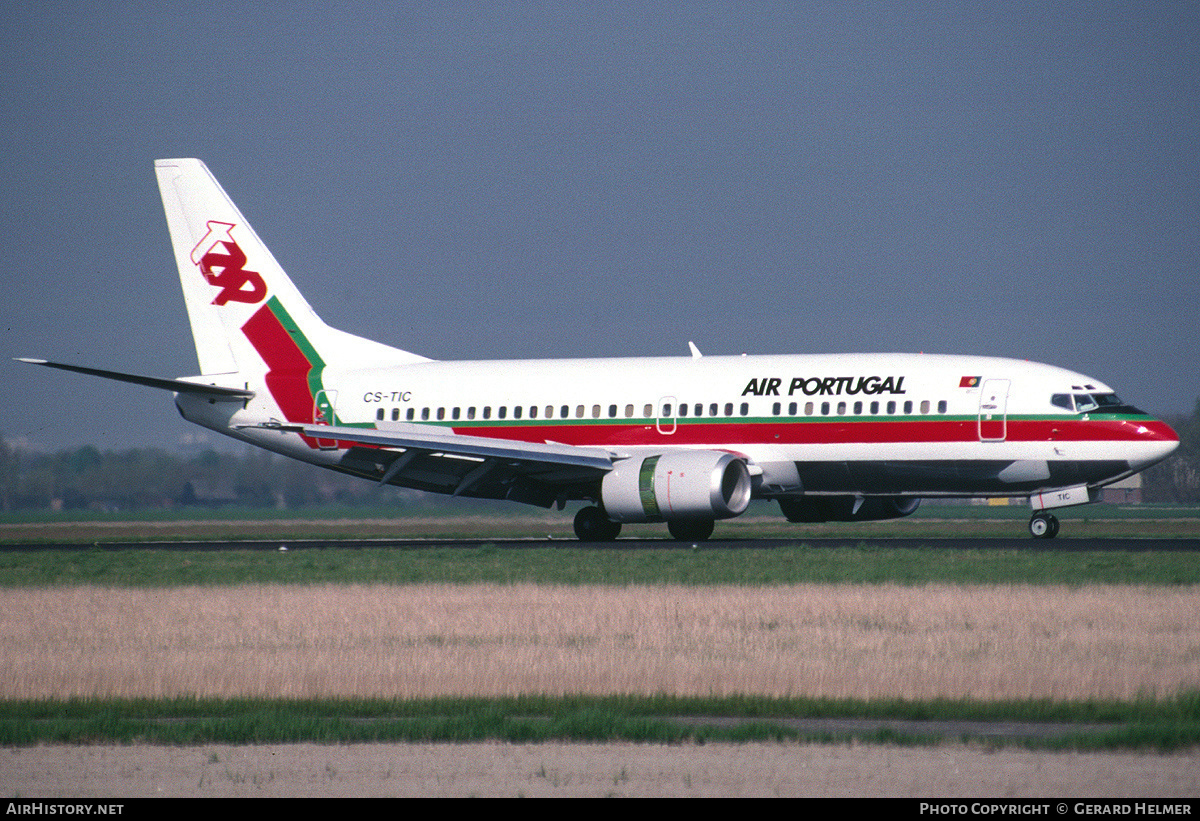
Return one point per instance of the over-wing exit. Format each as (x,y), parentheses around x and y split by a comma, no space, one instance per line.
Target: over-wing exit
(683,440)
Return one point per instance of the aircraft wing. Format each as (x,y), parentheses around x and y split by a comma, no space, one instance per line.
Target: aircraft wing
(429,438)
(429,457)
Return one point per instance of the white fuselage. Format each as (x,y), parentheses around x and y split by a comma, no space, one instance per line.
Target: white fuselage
(839,423)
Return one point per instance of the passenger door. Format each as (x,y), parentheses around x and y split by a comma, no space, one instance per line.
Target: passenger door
(993,410)
(323,414)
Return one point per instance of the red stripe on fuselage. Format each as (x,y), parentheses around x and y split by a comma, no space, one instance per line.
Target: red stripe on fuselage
(832,432)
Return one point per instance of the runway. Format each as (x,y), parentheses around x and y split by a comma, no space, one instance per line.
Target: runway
(1083,545)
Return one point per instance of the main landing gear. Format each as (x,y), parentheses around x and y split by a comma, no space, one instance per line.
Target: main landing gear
(1043,525)
(690,530)
(591,525)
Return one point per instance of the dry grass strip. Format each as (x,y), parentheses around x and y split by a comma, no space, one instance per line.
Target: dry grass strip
(840,641)
(558,770)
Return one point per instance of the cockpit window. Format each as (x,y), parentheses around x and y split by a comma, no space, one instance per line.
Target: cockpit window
(1099,402)
(1062,400)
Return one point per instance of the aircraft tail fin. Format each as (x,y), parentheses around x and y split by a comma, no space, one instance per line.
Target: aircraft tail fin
(246,314)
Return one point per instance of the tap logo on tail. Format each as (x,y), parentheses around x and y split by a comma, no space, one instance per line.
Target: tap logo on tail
(223,264)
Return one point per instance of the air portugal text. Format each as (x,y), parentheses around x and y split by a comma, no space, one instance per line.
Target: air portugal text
(826,385)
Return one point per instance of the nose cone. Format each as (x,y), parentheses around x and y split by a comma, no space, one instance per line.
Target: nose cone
(1156,441)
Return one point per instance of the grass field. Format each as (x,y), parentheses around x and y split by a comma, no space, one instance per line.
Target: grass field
(571,642)
(259,663)
(917,642)
(572,564)
(486,521)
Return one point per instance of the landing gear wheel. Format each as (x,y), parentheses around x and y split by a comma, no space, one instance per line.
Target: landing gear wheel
(1043,526)
(591,525)
(690,530)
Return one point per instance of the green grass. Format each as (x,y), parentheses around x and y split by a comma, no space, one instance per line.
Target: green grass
(1160,725)
(473,519)
(576,565)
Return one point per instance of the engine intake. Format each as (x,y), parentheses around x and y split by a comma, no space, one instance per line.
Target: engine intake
(841,508)
(688,484)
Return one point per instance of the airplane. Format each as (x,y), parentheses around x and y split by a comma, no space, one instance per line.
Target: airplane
(686,440)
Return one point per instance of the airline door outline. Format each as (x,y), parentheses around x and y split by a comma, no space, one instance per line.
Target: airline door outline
(993,410)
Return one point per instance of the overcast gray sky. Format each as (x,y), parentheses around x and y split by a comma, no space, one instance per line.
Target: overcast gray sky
(510,180)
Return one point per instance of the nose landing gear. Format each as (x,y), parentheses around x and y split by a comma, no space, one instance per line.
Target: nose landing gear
(1043,525)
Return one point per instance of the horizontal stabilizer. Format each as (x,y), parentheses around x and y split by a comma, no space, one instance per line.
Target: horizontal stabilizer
(175,385)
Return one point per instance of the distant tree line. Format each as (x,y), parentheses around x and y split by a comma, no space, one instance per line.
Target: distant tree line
(1177,479)
(140,478)
(87,478)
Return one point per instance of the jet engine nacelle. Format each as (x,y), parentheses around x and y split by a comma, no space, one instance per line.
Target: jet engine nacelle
(841,508)
(679,485)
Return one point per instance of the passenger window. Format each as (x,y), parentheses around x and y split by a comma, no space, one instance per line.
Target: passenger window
(471,412)
(745,409)
(858,408)
(891,408)
(565,411)
(579,411)
(808,408)
(841,409)
(712,409)
(517,412)
(595,411)
(454,413)
(666,409)
(824,408)
(791,408)
(487,411)
(629,411)
(699,409)
(874,408)
(649,412)
(924,406)
(549,411)
(729,409)
(409,415)
(502,412)
(942,407)
(776,409)
(683,409)
(424,414)
(612,411)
